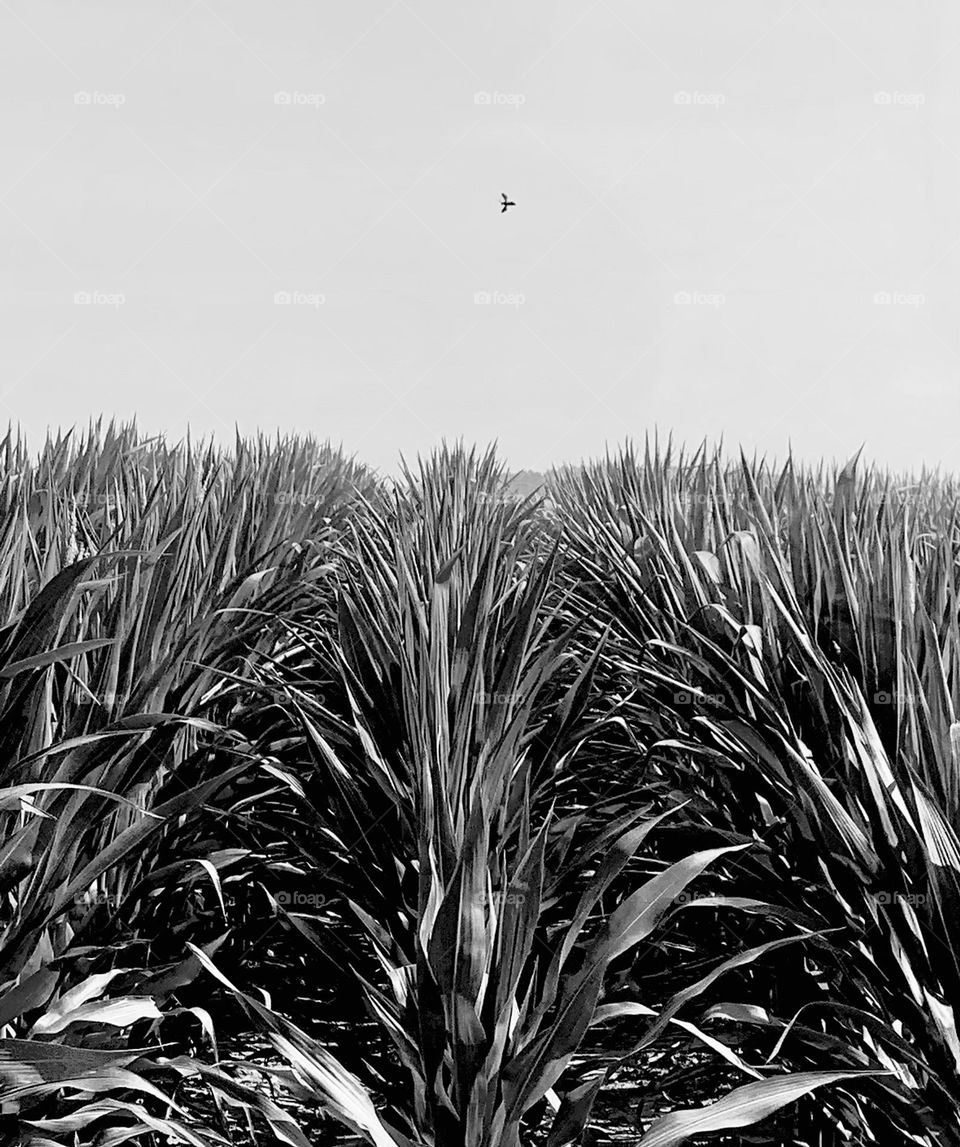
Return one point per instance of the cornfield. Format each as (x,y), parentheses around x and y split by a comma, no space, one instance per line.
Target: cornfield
(418,814)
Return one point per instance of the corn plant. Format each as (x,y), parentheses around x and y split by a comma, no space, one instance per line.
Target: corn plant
(726,591)
(433,812)
(114,768)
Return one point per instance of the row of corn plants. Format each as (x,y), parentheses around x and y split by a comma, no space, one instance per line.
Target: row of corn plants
(136,581)
(786,647)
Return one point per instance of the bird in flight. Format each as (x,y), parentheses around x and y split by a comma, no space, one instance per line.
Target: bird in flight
(506,202)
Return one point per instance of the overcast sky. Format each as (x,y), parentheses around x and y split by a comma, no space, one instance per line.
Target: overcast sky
(734,218)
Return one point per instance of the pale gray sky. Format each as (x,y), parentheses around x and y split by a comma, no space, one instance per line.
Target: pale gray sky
(736,218)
